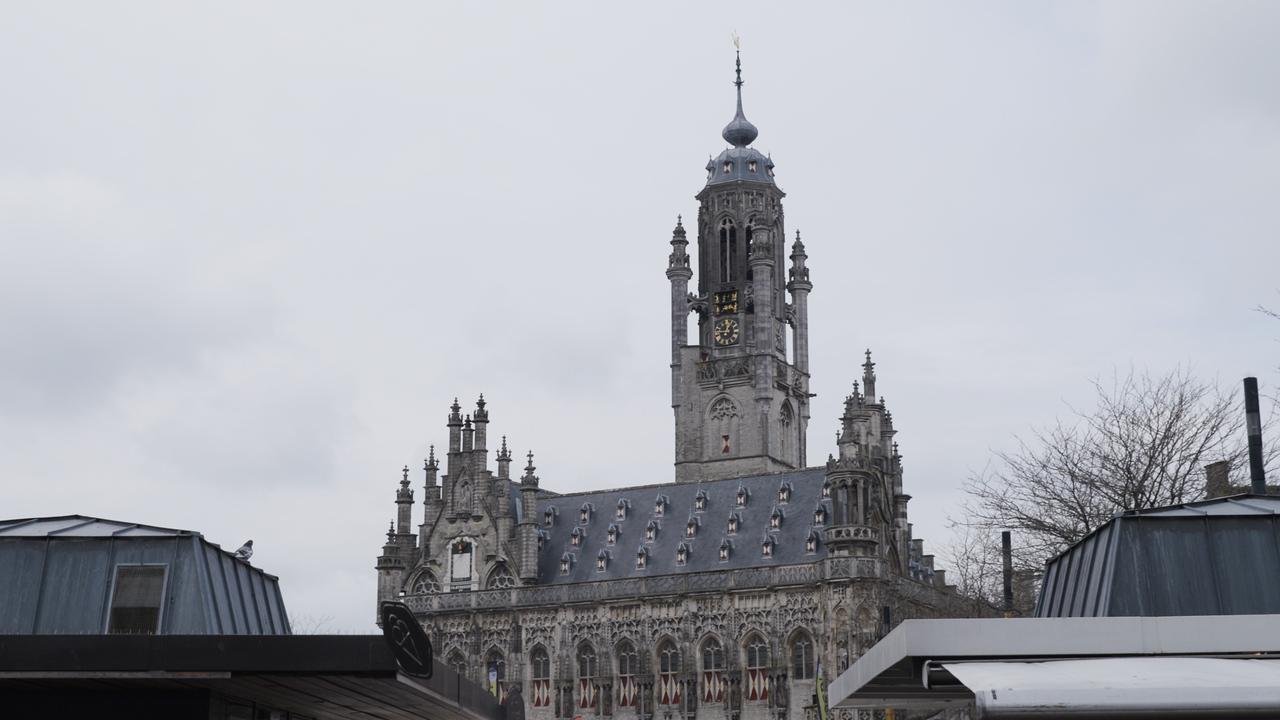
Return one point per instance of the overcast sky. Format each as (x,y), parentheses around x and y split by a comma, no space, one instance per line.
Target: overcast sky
(250,252)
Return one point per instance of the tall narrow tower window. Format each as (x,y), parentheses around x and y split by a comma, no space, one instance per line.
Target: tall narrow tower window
(728,250)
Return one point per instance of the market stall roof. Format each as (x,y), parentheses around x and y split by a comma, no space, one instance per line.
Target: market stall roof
(348,677)
(927,664)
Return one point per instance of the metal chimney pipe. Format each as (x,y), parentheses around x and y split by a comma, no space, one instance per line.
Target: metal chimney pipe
(1006,552)
(1253,422)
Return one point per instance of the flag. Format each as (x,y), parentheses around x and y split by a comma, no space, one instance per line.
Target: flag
(820,687)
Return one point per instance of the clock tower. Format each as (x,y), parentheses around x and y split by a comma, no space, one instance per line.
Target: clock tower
(740,390)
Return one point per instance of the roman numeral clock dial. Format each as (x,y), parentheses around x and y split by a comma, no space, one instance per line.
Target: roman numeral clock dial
(726,331)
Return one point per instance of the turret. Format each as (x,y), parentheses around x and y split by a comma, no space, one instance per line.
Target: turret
(799,286)
(455,427)
(527,531)
(430,498)
(404,509)
(481,421)
(504,461)
(391,567)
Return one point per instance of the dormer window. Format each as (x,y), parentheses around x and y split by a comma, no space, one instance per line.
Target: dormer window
(751,166)
(642,558)
(682,554)
(826,488)
(621,513)
(691,529)
(820,516)
(725,549)
(612,538)
(700,502)
(660,505)
(549,517)
(775,520)
(584,513)
(728,168)
(566,562)
(784,493)
(811,542)
(602,561)
(734,521)
(543,537)
(766,548)
(742,496)
(651,531)
(769,170)
(575,538)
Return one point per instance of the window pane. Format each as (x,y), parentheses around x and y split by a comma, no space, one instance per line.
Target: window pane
(135,604)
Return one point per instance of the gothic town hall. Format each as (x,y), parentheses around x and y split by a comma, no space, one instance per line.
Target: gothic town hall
(721,595)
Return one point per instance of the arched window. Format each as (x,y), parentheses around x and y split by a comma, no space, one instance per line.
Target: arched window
(495,674)
(713,676)
(456,662)
(628,669)
(540,674)
(802,656)
(668,673)
(588,669)
(426,584)
(757,667)
(728,250)
(786,419)
(500,578)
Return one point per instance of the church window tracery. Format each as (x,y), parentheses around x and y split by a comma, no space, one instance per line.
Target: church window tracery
(456,662)
(757,651)
(628,669)
(501,578)
(540,673)
(802,656)
(426,584)
(668,673)
(587,670)
(713,671)
(495,676)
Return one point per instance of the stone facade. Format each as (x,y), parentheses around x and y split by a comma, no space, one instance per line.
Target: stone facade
(720,595)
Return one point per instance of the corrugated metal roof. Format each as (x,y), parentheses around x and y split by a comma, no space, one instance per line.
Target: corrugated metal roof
(1215,557)
(57,573)
(82,526)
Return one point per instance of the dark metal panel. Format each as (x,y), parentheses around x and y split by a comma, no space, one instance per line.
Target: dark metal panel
(1177,575)
(259,591)
(1247,564)
(1126,595)
(1085,552)
(77,579)
(21,566)
(231,591)
(244,586)
(1102,558)
(217,589)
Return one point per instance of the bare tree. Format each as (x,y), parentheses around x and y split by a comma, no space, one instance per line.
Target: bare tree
(1144,445)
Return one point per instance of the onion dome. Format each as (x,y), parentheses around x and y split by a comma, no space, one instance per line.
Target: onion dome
(740,162)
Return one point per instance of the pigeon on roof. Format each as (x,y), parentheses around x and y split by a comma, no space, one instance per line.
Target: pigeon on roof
(246,550)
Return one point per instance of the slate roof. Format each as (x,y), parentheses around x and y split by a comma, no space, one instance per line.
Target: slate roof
(703,554)
(1214,557)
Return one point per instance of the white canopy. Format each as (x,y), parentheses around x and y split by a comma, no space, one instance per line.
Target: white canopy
(1123,687)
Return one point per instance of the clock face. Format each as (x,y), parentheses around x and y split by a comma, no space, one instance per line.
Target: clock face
(726,331)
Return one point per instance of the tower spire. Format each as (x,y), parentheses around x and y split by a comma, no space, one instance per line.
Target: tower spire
(739,132)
